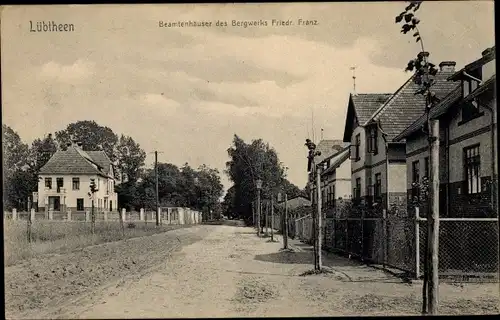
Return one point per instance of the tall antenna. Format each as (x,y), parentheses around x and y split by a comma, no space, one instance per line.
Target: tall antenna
(354,79)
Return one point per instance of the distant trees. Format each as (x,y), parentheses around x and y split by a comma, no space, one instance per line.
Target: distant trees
(201,188)
(249,162)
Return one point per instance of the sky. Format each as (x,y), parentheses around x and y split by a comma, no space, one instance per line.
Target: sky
(185,91)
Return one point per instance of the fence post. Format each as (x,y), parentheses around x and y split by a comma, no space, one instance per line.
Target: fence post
(68,217)
(14,214)
(141,214)
(32,213)
(105,215)
(159,215)
(124,214)
(386,240)
(87,215)
(417,243)
(51,214)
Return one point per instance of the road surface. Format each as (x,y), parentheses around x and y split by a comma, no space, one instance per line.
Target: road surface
(215,271)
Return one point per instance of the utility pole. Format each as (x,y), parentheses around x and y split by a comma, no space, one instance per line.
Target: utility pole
(259,186)
(318,229)
(433,218)
(156,191)
(285,239)
(272,218)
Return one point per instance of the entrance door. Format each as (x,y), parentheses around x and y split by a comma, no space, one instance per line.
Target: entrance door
(55,203)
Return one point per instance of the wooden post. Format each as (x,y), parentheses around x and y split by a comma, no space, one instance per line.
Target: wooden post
(31,217)
(318,229)
(272,219)
(417,243)
(285,230)
(433,222)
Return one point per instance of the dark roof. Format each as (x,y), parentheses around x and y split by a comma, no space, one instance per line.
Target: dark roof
(362,106)
(101,158)
(328,148)
(405,107)
(488,55)
(337,160)
(74,161)
(452,98)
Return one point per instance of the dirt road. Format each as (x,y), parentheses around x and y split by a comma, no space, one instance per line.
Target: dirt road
(225,271)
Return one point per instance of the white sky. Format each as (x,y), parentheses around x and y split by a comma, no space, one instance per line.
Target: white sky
(186,91)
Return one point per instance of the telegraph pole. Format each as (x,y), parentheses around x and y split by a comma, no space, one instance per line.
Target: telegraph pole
(318,230)
(156,193)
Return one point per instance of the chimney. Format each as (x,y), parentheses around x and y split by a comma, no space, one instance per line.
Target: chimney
(447,66)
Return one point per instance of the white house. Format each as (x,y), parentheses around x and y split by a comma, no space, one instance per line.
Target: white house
(64,181)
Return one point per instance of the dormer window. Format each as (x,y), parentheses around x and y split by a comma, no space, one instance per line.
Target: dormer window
(470,109)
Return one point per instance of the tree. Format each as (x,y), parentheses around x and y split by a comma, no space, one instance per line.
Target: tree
(17,179)
(130,159)
(41,151)
(423,73)
(93,137)
(209,188)
(249,162)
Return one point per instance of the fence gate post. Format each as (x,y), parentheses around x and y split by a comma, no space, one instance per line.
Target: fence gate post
(14,214)
(32,212)
(105,215)
(68,217)
(417,243)
(87,215)
(141,214)
(124,215)
(51,214)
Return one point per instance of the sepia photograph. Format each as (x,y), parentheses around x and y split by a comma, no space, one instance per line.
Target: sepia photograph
(222,160)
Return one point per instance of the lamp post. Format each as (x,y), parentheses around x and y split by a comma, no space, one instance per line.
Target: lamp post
(258,185)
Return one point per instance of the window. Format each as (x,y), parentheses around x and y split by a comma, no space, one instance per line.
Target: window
(76,183)
(378,185)
(358,188)
(472,169)
(415,179)
(426,167)
(79,204)
(357,146)
(372,140)
(92,182)
(48,183)
(470,109)
(415,172)
(60,183)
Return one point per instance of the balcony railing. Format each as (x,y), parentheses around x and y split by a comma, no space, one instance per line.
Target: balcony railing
(55,190)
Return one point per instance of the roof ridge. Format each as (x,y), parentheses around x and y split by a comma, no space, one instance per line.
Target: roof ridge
(393,96)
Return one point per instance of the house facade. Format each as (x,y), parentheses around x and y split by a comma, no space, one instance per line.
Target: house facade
(378,162)
(335,182)
(468,144)
(64,181)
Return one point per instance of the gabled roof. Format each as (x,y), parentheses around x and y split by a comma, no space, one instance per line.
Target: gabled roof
(446,104)
(452,98)
(361,107)
(405,107)
(328,148)
(337,160)
(73,161)
(102,159)
(488,55)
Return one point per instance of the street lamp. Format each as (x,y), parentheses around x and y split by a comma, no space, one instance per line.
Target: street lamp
(258,184)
